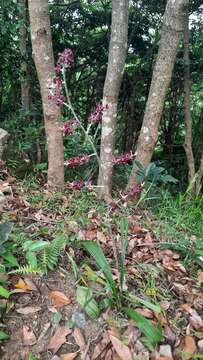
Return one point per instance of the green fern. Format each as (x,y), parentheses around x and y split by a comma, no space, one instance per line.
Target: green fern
(41,255)
(49,256)
(26,269)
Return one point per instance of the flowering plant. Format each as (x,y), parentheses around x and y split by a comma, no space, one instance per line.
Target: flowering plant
(58,92)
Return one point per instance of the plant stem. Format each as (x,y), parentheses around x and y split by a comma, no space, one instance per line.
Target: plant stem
(69,105)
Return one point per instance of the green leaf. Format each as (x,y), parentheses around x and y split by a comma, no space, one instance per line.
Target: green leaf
(85,299)
(3,336)
(95,250)
(153,334)
(4,293)
(149,305)
(35,245)
(139,165)
(31,259)
(8,256)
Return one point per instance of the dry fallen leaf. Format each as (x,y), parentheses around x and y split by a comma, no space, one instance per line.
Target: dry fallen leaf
(189,348)
(195,320)
(28,310)
(122,350)
(29,337)
(200,277)
(21,284)
(59,338)
(79,338)
(69,356)
(101,237)
(145,312)
(30,283)
(59,299)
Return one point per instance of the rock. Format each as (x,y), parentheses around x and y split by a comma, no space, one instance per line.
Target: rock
(78,319)
(4,135)
(165,351)
(200,344)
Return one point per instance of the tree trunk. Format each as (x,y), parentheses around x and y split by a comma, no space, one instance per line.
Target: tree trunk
(25,85)
(172,29)
(44,62)
(187,113)
(198,184)
(115,69)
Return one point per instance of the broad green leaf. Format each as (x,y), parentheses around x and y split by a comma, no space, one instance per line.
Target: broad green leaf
(31,259)
(35,245)
(85,299)
(3,336)
(8,256)
(149,305)
(95,250)
(153,334)
(4,293)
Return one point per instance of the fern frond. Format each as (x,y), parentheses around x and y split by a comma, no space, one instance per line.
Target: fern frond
(50,255)
(25,270)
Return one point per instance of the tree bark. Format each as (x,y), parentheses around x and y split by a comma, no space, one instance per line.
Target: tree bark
(25,85)
(172,30)
(114,75)
(198,184)
(187,113)
(44,62)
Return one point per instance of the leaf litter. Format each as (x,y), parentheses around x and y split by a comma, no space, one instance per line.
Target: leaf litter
(154,275)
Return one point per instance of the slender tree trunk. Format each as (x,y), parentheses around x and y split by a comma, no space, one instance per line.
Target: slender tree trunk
(44,62)
(25,85)
(187,113)
(170,36)
(199,177)
(115,69)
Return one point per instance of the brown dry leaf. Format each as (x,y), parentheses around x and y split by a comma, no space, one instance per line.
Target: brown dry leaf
(195,320)
(28,310)
(59,299)
(186,307)
(29,337)
(189,347)
(30,283)
(101,237)
(97,351)
(59,338)
(122,350)
(108,355)
(115,356)
(21,284)
(69,356)
(200,277)
(79,338)
(91,234)
(145,312)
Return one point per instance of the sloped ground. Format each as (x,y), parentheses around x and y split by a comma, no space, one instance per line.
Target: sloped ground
(43,317)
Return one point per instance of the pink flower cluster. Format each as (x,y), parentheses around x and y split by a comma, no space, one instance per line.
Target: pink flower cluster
(123,159)
(131,193)
(55,91)
(96,116)
(77,160)
(79,184)
(65,60)
(69,126)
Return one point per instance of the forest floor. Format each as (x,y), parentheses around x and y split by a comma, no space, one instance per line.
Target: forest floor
(42,315)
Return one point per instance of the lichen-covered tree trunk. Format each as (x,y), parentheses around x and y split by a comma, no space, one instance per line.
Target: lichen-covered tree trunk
(25,85)
(115,69)
(171,33)
(187,113)
(44,62)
